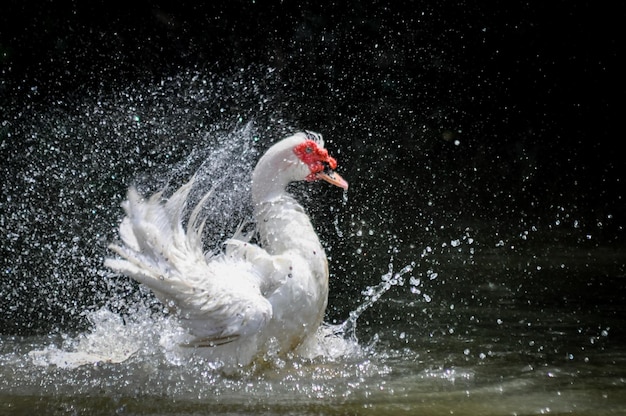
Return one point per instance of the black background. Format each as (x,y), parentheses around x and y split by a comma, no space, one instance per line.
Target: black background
(542,80)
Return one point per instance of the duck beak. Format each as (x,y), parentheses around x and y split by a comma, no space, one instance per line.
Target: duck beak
(332,177)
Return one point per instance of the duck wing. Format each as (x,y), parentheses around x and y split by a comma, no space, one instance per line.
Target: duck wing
(219,298)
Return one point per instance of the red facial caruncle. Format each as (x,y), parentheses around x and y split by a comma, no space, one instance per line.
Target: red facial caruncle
(316,158)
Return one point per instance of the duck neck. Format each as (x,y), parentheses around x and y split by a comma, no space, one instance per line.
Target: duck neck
(267,188)
(269,178)
(281,221)
(283,225)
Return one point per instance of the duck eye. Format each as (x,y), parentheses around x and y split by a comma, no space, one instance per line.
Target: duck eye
(308,150)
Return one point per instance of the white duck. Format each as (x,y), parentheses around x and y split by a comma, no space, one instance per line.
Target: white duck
(248,299)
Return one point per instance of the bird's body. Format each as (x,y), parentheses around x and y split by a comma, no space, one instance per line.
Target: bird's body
(248,299)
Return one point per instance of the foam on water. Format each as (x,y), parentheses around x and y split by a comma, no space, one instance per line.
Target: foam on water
(138,353)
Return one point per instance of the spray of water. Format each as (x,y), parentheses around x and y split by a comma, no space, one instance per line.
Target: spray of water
(82,154)
(372,295)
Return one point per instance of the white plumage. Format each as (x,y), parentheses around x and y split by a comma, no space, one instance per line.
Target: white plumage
(238,303)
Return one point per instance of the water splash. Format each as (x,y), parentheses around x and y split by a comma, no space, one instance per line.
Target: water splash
(128,327)
(69,161)
(110,340)
(372,295)
(115,338)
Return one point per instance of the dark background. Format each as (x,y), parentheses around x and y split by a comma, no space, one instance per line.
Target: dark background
(533,89)
(530,91)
